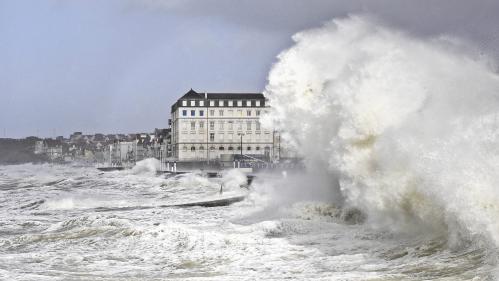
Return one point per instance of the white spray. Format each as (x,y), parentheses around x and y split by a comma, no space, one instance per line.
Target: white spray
(407,126)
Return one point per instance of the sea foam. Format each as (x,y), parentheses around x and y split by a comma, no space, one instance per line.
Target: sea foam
(404,128)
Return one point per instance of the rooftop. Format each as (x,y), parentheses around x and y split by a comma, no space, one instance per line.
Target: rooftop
(191,94)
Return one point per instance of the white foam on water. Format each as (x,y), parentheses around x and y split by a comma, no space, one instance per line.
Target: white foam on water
(147,166)
(403,128)
(249,240)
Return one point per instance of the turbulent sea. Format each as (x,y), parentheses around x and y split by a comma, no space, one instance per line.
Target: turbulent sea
(76,223)
(400,139)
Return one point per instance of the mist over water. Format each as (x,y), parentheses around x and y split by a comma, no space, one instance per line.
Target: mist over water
(408,127)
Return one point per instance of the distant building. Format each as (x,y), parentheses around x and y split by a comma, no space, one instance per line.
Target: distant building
(54,153)
(50,148)
(212,126)
(163,139)
(39,147)
(75,137)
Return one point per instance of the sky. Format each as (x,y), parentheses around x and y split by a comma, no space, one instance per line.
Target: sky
(116,66)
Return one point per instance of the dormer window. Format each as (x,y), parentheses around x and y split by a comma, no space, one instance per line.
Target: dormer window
(193,103)
(184,103)
(201,103)
(257,103)
(248,103)
(231,103)
(221,103)
(239,103)
(212,103)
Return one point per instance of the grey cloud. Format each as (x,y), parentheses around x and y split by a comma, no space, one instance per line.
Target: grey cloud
(117,65)
(473,20)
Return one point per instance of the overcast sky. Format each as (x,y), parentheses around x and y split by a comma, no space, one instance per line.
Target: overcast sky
(117,66)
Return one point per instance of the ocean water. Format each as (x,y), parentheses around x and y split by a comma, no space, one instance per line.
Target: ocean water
(76,223)
(400,137)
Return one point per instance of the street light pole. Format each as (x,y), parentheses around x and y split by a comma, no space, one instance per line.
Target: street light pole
(241,134)
(279,136)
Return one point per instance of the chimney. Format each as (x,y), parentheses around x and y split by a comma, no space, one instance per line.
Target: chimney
(205,95)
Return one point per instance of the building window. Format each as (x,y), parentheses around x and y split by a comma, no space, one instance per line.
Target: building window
(258,113)
(201,103)
(231,113)
(212,148)
(248,125)
(184,148)
(221,113)
(193,148)
(258,125)
(221,148)
(257,148)
(193,125)
(231,148)
(201,125)
(239,103)
(193,112)
(231,103)
(184,103)
(257,103)
(248,103)
(248,112)
(184,112)
(212,112)
(201,113)
(248,148)
(201,148)
(220,103)
(212,103)
(221,125)
(212,125)
(239,125)
(193,103)
(239,113)
(231,123)
(212,137)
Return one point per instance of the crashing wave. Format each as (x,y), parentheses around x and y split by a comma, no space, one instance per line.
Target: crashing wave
(408,127)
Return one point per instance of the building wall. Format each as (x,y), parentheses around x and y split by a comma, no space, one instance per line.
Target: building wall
(201,128)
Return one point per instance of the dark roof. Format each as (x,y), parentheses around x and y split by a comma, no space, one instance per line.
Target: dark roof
(235,96)
(191,94)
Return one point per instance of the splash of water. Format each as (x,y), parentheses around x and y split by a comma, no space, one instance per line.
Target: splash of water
(146,166)
(407,126)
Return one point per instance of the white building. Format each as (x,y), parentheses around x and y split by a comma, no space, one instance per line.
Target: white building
(53,152)
(210,126)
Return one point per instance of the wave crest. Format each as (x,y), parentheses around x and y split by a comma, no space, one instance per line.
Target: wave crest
(407,126)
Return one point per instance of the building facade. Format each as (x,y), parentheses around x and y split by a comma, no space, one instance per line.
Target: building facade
(217,126)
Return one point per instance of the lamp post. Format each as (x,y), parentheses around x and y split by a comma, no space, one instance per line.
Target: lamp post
(241,134)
